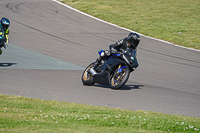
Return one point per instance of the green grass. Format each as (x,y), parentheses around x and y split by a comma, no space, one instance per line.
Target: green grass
(176,21)
(20,114)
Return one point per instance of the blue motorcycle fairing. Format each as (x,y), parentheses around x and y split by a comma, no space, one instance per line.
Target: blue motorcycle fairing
(114,62)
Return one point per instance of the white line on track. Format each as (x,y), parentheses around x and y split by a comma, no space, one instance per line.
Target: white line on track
(121,27)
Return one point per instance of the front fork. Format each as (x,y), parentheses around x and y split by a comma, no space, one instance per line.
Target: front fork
(119,70)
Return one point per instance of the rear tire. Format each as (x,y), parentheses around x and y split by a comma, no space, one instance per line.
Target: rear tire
(87,78)
(119,79)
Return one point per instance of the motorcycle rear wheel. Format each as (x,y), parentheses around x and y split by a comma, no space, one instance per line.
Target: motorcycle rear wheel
(119,79)
(87,78)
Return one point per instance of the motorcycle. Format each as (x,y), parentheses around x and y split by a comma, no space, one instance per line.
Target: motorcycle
(113,70)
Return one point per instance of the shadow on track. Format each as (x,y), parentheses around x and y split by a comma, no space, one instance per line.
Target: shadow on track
(125,87)
(130,87)
(7,64)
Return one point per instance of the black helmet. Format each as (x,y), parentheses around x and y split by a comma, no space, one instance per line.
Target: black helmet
(133,39)
(5,23)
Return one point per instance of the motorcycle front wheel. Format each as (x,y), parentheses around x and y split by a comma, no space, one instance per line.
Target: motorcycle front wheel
(87,78)
(119,79)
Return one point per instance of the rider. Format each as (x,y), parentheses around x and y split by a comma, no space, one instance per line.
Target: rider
(4,33)
(128,44)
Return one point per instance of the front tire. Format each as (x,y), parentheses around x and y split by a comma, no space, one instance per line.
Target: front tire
(119,79)
(87,78)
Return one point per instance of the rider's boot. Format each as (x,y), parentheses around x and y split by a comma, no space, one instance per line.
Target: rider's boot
(0,51)
(96,64)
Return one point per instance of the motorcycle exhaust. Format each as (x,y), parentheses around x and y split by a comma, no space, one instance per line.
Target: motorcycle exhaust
(92,71)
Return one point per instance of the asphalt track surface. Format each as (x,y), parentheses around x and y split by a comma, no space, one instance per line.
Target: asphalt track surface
(50,45)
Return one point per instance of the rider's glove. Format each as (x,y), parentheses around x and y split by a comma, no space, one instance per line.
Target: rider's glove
(105,54)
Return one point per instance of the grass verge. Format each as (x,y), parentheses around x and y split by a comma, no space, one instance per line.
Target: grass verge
(20,114)
(176,21)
